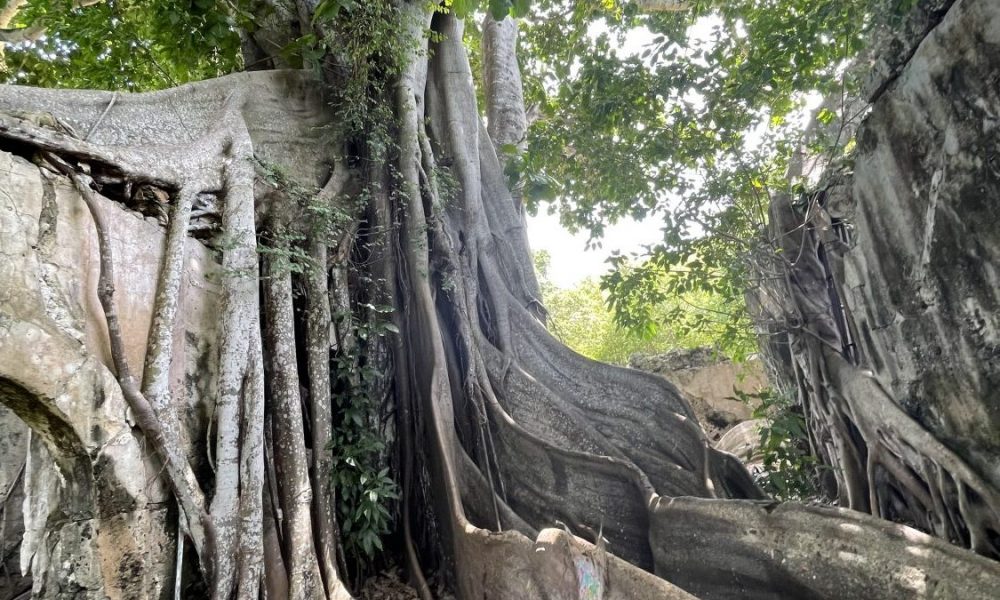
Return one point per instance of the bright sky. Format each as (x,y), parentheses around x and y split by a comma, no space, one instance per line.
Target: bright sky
(571,261)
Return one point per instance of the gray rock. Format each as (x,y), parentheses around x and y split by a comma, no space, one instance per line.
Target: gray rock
(710,383)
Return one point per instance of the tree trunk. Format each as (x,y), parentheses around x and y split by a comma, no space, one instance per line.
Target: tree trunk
(527,471)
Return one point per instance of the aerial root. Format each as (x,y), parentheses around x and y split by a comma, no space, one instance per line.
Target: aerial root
(903,448)
(190,500)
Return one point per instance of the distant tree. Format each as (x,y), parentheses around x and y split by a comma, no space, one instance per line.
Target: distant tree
(582,319)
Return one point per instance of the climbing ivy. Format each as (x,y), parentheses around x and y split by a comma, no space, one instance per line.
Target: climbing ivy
(308,213)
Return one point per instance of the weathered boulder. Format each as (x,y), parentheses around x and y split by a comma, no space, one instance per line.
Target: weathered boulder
(710,383)
(921,280)
(892,307)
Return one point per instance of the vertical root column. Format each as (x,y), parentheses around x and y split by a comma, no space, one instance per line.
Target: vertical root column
(318,329)
(237,506)
(294,491)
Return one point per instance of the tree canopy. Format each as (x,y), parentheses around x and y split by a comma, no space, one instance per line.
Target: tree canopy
(689,118)
(685,116)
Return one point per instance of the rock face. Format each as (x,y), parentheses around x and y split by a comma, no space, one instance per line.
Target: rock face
(94,510)
(709,383)
(922,280)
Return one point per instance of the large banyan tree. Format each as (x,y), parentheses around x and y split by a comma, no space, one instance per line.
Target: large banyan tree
(201,285)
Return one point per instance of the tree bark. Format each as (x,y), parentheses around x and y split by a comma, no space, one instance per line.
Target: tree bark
(527,470)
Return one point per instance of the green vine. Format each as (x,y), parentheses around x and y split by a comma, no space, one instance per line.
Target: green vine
(366,493)
(310,213)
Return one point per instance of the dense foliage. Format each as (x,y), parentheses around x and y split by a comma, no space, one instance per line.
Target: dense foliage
(581,318)
(690,118)
(785,466)
(129,45)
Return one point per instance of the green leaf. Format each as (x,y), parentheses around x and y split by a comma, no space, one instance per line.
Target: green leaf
(521,8)
(327,10)
(463,8)
(499,9)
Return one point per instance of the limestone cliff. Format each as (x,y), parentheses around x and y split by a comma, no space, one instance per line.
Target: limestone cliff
(710,383)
